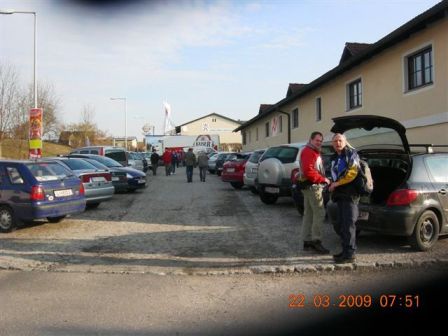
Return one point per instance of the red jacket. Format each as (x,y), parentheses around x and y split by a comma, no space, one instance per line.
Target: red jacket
(166,157)
(311,165)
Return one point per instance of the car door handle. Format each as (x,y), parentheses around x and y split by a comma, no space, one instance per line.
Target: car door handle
(443,191)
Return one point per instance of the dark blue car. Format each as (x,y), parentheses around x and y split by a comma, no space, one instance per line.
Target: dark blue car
(35,190)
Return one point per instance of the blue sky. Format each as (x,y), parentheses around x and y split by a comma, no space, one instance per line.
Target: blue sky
(226,57)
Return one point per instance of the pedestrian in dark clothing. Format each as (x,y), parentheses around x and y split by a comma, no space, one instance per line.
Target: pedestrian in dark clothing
(344,169)
(173,162)
(190,163)
(203,165)
(154,162)
(166,157)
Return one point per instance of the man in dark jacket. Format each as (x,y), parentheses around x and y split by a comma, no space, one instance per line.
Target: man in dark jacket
(190,163)
(312,178)
(344,169)
(154,161)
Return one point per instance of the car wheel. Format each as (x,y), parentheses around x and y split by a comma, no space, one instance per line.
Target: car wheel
(55,219)
(267,198)
(7,219)
(426,231)
(237,185)
(218,173)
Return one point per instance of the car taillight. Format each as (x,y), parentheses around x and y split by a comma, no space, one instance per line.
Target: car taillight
(37,193)
(294,174)
(402,197)
(81,189)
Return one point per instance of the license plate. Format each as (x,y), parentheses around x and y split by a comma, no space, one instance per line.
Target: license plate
(363,215)
(97,179)
(230,170)
(141,181)
(63,193)
(272,190)
(115,178)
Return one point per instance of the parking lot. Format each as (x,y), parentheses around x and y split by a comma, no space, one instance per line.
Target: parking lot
(175,227)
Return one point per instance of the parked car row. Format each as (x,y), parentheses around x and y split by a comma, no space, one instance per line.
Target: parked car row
(410,195)
(54,187)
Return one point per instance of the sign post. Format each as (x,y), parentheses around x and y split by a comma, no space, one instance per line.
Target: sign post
(35,134)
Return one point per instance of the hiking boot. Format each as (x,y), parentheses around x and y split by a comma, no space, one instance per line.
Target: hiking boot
(336,256)
(318,247)
(345,259)
(308,245)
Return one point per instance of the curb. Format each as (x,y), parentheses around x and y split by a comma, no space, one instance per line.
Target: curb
(261,269)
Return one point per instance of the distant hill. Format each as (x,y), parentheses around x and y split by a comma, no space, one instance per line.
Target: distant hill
(18,149)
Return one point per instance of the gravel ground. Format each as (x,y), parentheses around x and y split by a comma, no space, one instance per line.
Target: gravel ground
(175,227)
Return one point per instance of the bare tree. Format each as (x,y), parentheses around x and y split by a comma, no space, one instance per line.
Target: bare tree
(9,98)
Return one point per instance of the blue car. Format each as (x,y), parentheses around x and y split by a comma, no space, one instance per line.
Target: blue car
(35,190)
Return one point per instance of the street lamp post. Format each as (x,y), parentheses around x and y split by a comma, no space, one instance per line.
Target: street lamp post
(125,119)
(11,11)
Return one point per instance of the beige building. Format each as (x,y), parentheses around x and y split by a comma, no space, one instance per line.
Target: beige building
(403,76)
(214,124)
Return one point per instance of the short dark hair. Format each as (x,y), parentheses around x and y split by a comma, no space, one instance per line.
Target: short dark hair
(313,135)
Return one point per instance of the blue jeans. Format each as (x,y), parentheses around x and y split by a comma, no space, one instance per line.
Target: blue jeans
(190,173)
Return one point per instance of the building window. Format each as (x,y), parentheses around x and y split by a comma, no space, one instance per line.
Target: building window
(354,91)
(318,109)
(250,136)
(266,126)
(213,119)
(244,137)
(280,124)
(256,134)
(295,118)
(420,68)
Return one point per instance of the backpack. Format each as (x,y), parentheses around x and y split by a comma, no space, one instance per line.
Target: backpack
(364,180)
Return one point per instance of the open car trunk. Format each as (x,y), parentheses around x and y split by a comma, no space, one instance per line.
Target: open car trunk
(388,173)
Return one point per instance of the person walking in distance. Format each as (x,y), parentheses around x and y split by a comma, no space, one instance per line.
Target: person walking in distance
(344,169)
(154,161)
(166,157)
(190,163)
(312,181)
(203,165)
(173,162)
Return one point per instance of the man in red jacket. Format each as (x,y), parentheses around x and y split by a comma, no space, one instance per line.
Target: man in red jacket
(313,180)
(166,157)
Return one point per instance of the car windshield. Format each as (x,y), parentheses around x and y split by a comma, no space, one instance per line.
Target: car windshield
(48,171)
(283,153)
(377,136)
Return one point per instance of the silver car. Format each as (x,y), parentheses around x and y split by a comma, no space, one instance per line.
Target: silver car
(97,183)
(251,170)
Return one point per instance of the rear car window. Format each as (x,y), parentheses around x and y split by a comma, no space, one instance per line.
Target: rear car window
(107,161)
(46,171)
(117,156)
(437,167)
(78,164)
(284,154)
(14,175)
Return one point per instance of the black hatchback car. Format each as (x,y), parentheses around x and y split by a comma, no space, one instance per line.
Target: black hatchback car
(410,195)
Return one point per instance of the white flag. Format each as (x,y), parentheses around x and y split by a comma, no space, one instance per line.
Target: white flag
(169,125)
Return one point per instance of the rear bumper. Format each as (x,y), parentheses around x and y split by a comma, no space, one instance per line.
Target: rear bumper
(282,190)
(232,178)
(38,211)
(96,195)
(396,221)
